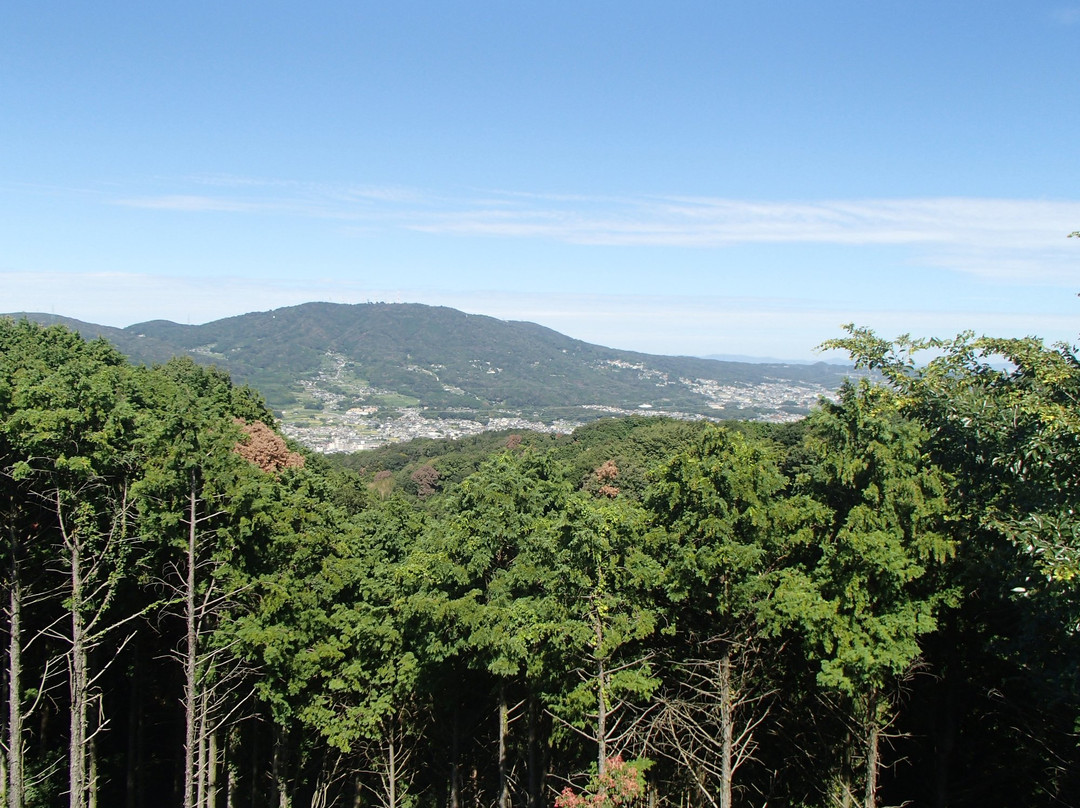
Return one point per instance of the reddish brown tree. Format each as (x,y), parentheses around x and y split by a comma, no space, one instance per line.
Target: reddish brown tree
(266,448)
(605,474)
(426,479)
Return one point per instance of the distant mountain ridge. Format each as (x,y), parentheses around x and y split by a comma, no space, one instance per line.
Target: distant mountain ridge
(380,358)
(759,360)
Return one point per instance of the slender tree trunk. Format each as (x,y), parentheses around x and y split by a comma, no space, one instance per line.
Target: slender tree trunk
(79,685)
(190,649)
(846,787)
(16,767)
(202,757)
(212,770)
(504,732)
(391,773)
(872,761)
(232,749)
(727,725)
(535,797)
(280,766)
(92,780)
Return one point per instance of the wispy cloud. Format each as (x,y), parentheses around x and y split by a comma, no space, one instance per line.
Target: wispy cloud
(704,222)
(200,204)
(995,238)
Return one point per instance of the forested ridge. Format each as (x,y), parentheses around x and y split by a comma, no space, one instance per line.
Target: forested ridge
(394,355)
(876,605)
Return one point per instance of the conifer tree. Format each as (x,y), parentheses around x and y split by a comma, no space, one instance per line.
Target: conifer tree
(726,526)
(859,594)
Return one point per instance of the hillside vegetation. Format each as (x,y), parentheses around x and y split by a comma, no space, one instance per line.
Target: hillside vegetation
(874,606)
(352,367)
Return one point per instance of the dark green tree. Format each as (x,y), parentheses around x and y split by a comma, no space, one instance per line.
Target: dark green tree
(860,595)
(335,650)
(70,446)
(1002,417)
(496,553)
(606,582)
(208,510)
(726,526)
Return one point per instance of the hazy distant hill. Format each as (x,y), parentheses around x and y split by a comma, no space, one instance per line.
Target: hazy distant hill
(382,357)
(759,360)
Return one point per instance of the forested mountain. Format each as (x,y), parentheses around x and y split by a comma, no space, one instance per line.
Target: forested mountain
(315,362)
(876,605)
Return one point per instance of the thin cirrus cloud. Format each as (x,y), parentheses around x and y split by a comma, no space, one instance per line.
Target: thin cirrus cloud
(1021,239)
(698,222)
(192,203)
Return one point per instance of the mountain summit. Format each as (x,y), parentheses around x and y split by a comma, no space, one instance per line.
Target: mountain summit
(319,363)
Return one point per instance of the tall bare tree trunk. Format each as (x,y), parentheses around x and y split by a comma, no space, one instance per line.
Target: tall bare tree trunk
(232,752)
(212,770)
(392,774)
(202,756)
(280,765)
(211,691)
(504,732)
(873,736)
(190,653)
(92,783)
(79,684)
(535,755)
(727,728)
(16,772)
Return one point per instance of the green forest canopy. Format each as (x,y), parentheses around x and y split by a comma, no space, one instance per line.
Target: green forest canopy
(875,605)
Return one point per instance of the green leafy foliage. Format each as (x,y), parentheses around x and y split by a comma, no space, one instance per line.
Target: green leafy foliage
(493,618)
(858,591)
(1012,433)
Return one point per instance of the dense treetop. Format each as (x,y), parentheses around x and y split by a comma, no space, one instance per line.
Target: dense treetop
(876,605)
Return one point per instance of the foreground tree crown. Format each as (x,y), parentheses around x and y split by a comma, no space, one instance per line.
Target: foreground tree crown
(876,605)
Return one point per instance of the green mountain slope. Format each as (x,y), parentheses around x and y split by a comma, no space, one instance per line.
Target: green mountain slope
(381,357)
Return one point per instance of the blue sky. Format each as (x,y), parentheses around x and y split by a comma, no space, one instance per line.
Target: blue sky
(677,177)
